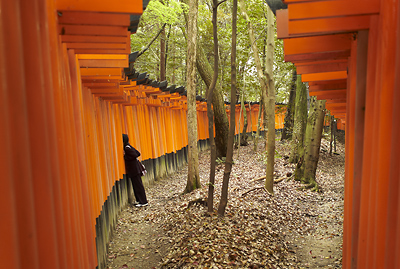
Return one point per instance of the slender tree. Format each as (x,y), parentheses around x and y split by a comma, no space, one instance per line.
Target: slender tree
(220,117)
(287,131)
(300,122)
(270,107)
(210,112)
(312,143)
(267,84)
(258,124)
(163,61)
(193,179)
(229,155)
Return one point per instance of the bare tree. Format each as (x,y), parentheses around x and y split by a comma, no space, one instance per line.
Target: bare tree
(312,143)
(287,131)
(267,84)
(229,154)
(210,112)
(300,122)
(193,179)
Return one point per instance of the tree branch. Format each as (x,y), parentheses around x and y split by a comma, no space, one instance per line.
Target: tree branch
(152,41)
(221,2)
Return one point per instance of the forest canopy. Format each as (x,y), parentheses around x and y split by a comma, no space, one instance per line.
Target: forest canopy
(170,15)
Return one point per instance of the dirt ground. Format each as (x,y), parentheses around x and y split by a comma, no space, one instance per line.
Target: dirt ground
(291,229)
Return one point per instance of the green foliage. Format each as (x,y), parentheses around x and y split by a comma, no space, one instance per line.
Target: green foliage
(171,12)
(164,13)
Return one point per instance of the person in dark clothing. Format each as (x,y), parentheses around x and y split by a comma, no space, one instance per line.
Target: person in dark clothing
(133,171)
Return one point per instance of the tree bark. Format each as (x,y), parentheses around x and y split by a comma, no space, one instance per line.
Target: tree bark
(229,155)
(151,42)
(269,180)
(266,82)
(256,55)
(210,113)
(193,179)
(220,117)
(287,131)
(258,125)
(243,139)
(300,122)
(162,55)
(315,124)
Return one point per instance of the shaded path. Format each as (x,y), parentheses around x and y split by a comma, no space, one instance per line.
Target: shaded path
(293,229)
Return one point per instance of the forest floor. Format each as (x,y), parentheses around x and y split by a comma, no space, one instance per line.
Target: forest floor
(291,229)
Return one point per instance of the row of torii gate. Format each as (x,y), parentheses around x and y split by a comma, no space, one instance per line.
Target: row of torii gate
(66,99)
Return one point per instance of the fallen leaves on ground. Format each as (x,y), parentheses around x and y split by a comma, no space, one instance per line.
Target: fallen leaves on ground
(258,230)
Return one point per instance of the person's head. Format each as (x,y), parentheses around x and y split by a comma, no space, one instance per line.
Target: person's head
(125,138)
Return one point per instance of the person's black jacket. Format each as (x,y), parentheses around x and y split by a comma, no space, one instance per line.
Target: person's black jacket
(131,162)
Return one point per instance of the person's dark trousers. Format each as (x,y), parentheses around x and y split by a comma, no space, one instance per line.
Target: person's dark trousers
(138,189)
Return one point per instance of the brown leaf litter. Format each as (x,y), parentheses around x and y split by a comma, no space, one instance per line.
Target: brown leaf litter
(292,229)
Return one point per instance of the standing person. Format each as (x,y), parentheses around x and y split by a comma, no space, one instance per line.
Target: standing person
(133,171)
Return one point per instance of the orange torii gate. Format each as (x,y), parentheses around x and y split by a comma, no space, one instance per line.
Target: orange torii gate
(349,52)
(65,102)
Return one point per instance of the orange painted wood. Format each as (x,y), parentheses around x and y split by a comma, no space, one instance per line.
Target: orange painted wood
(349,166)
(315,68)
(322,56)
(93,39)
(101,85)
(94,80)
(76,94)
(328,25)
(393,224)
(282,22)
(333,105)
(104,72)
(94,30)
(329,93)
(322,62)
(22,236)
(299,1)
(324,76)
(386,74)
(333,101)
(108,63)
(313,44)
(108,46)
(106,90)
(359,108)
(118,6)
(93,18)
(327,82)
(330,86)
(103,51)
(338,8)
(101,57)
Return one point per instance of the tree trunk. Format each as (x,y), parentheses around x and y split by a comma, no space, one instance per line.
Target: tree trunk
(244,141)
(193,179)
(300,121)
(243,137)
(312,142)
(266,82)
(162,56)
(210,113)
(220,116)
(229,155)
(289,117)
(270,107)
(258,125)
(256,55)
